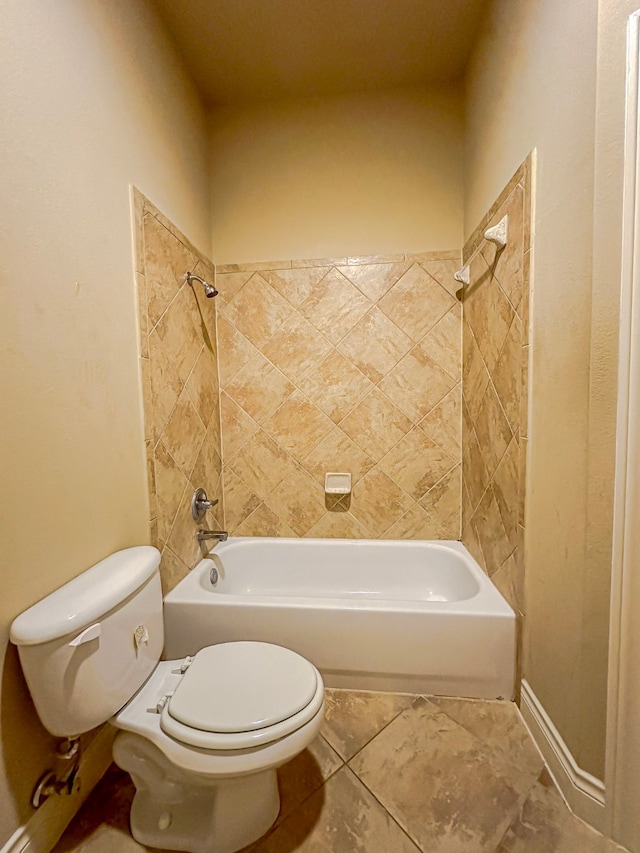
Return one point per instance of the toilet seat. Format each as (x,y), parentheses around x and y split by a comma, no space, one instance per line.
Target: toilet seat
(241,695)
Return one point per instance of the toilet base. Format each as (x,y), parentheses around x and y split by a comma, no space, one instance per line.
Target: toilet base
(179,811)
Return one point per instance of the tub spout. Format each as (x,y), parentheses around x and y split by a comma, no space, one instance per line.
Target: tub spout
(220,535)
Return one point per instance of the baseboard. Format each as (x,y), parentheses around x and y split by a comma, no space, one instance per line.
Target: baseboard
(583,793)
(43,830)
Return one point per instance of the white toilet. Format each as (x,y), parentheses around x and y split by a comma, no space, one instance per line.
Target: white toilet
(201,738)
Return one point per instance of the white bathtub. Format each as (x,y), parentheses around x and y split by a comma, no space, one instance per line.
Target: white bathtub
(415,617)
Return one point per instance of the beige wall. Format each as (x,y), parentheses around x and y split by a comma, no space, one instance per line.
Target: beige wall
(532,84)
(352,365)
(93,99)
(179,368)
(365,174)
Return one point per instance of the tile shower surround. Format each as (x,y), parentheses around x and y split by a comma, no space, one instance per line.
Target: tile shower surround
(495,359)
(178,358)
(342,364)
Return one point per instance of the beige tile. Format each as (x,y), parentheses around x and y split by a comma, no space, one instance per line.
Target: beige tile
(259,388)
(254,266)
(416,302)
(415,524)
(443,269)
(471,542)
(239,500)
(341,817)
(417,384)
(171,484)
(492,429)
(416,463)
(443,502)
(507,375)
(229,284)
(524,392)
(337,452)
(207,470)
(475,376)
(509,581)
(494,541)
(489,315)
(303,263)
(499,726)
(166,262)
(441,783)
(374,280)
(300,777)
(443,424)
(172,570)
(443,342)
(179,333)
(257,311)
(237,426)
(545,824)
(508,263)
(202,386)
(376,424)
(166,384)
(335,306)
(138,211)
(182,539)
(262,464)
(356,260)
(297,348)
(375,345)
(143,319)
(151,479)
(234,350)
(299,501)
(474,471)
(295,284)
(184,434)
(506,488)
(338,525)
(336,386)
(298,425)
(353,718)
(377,502)
(150,418)
(264,522)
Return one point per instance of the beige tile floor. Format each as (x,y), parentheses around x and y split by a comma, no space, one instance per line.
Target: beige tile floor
(392,774)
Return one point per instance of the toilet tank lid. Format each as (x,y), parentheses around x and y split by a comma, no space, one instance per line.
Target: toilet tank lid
(87,597)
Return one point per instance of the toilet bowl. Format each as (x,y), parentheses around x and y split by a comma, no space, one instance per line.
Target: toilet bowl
(201,737)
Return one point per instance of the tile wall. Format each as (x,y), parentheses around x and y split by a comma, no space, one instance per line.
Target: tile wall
(495,391)
(342,364)
(178,355)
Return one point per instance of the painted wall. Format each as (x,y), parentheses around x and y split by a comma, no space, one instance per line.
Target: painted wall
(93,100)
(532,84)
(352,365)
(365,174)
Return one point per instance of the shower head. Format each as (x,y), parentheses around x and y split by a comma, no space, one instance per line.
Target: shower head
(209,290)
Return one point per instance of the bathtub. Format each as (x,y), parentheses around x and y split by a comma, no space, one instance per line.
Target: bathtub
(410,617)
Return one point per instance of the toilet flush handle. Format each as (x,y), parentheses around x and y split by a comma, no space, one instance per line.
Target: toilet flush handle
(90,633)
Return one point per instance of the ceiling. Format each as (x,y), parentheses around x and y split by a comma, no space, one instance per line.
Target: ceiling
(241,51)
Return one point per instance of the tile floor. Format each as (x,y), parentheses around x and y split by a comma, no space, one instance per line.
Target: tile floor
(392,774)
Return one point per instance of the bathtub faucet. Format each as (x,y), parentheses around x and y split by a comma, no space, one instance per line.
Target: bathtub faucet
(220,535)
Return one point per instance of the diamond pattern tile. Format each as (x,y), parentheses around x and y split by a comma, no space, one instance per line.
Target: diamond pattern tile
(328,365)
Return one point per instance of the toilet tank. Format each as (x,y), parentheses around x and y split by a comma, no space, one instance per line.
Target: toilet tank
(87,648)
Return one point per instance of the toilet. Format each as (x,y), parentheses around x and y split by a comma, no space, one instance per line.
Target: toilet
(201,737)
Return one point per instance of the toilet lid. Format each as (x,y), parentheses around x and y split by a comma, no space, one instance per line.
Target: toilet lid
(241,687)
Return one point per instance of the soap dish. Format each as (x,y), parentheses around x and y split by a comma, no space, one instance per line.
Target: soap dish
(336,483)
